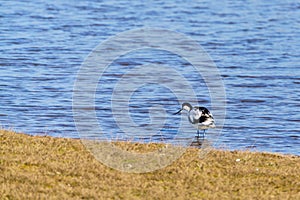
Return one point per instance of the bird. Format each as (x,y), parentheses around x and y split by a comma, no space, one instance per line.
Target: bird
(199,116)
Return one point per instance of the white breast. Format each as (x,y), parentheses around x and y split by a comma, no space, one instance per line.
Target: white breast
(194,116)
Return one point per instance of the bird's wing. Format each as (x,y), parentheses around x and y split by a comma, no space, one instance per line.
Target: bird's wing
(206,116)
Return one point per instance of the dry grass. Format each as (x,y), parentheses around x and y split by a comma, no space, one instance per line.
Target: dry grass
(33,167)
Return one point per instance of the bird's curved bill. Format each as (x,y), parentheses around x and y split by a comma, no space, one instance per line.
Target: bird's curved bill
(177,112)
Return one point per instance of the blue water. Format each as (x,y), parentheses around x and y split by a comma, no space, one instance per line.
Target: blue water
(254,44)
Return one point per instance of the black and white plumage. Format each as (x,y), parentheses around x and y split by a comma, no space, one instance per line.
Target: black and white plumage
(200,117)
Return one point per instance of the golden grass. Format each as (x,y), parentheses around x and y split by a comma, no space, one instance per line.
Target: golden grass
(42,167)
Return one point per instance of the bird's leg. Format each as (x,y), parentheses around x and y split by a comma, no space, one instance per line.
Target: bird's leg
(204,133)
(198,134)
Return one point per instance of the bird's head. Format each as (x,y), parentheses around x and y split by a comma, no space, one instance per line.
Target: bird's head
(185,106)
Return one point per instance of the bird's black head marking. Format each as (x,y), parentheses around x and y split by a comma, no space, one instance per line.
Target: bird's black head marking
(186,106)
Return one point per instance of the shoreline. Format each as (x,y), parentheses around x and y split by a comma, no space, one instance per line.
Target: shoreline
(250,149)
(62,168)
